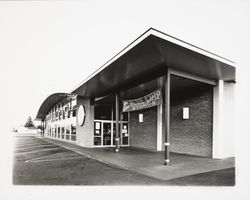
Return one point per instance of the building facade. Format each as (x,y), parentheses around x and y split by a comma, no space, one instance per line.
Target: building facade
(159,94)
(60,121)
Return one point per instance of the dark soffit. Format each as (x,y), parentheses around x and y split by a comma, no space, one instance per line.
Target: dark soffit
(148,60)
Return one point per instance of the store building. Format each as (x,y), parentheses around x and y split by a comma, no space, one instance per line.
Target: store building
(160,93)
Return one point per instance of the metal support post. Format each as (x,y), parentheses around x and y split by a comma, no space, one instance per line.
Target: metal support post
(117,123)
(167,117)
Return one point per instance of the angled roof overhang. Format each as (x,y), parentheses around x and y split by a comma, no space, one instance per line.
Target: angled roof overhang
(49,102)
(148,57)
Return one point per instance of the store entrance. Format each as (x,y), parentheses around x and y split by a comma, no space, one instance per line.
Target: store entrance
(105,127)
(107,134)
(104,133)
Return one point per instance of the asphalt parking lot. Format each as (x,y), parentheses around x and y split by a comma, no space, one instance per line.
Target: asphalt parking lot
(38,162)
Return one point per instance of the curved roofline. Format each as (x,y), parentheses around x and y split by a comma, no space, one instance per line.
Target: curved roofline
(49,102)
(155,32)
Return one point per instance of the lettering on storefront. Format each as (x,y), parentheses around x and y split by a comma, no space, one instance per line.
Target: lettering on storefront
(147,101)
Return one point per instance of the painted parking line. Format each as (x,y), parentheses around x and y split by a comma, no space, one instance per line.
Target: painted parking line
(46,145)
(56,159)
(38,150)
(29,144)
(41,157)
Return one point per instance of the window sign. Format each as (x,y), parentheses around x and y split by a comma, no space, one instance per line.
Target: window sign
(186,113)
(140,117)
(97,125)
(124,130)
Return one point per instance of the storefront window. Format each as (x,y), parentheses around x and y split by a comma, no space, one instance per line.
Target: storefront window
(97,141)
(63,114)
(125,141)
(66,112)
(58,132)
(67,130)
(73,133)
(74,111)
(70,104)
(97,128)
(62,135)
(97,133)
(106,133)
(67,133)
(124,134)
(73,107)
(60,115)
(73,103)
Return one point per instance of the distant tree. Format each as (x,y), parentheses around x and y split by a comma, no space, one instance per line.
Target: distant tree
(29,123)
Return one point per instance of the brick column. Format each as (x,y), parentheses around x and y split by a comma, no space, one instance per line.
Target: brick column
(85,133)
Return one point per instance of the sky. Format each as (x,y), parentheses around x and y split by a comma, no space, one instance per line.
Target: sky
(48,47)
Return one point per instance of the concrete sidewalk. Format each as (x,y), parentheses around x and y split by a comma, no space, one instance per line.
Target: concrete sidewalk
(150,163)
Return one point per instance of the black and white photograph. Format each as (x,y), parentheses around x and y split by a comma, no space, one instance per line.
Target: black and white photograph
(125,99)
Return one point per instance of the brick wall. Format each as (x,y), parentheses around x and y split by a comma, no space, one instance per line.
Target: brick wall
(143,135)
(194,135)
(191,136)
(84,134)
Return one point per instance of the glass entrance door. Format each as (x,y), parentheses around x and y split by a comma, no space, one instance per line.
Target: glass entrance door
(124,134)
(107,136)
(104,133)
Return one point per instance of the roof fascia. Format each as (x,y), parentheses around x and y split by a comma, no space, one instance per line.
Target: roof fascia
(155,32)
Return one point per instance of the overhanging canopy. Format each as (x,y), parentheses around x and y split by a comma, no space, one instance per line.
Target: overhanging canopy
(147,58)
(143,60)
(49,102)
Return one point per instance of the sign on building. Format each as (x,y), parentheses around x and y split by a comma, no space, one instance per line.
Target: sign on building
(147,101)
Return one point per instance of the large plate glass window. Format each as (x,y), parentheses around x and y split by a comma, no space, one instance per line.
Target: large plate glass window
(63,133)
(97,134)
(58,131)
(67,133)
(73,133)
